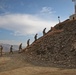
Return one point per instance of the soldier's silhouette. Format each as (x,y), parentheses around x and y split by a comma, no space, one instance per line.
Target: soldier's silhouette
(35,37)
(1,49)
(11,49)
(20,47)
(73,18)
(44,31)
(28,42)
(59,18)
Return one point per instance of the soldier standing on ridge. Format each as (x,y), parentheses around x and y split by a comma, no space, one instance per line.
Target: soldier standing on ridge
(35,37)
(11,49)
(59,19)
(1,49)
(44,31)
(20,47)
(28,42)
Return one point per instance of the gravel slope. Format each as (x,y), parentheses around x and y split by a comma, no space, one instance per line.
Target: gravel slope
(17,64)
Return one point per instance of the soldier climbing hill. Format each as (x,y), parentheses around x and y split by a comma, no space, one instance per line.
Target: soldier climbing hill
(28,42)
(35,37)
(44,31)
(20,47)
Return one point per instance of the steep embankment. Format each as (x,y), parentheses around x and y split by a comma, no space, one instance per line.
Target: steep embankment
(56,48)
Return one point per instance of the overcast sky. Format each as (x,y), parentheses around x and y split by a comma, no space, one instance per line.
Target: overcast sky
(20,20)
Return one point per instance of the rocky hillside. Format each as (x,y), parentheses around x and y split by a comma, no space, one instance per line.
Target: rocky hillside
(57,47)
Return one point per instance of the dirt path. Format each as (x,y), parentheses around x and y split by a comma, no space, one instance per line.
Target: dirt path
(15,64)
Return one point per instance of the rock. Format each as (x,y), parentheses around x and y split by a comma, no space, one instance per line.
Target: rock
(56,46)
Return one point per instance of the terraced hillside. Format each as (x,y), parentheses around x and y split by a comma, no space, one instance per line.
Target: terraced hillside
(56,48)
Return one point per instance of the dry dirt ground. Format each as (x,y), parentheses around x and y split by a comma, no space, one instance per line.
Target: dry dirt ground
(15,64)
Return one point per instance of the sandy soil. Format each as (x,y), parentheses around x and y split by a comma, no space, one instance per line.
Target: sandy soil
(15,64)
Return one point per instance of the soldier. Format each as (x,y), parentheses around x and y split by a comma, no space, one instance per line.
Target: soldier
(20,47)
(11,49)
(1,49)
(73,18)
(59,18)
(28,42)
(35,37)
(44,31)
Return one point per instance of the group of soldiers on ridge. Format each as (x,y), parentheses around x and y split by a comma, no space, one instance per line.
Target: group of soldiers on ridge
(20,46)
